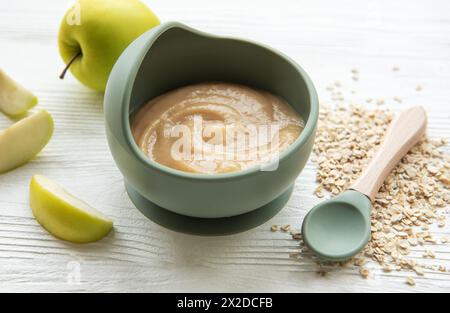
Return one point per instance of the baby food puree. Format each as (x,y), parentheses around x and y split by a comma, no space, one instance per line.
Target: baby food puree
(215,127)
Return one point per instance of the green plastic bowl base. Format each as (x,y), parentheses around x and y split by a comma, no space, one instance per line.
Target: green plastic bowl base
(207,226)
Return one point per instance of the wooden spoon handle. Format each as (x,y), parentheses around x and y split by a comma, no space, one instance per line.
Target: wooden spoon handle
(405,131)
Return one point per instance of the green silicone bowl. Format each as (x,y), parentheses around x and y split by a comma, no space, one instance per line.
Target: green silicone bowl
(173,55)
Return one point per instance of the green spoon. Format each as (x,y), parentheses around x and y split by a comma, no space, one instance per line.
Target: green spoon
(339,228)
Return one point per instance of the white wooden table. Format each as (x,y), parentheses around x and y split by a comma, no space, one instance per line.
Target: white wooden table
(328,38)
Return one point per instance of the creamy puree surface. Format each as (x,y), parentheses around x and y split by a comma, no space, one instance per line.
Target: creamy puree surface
(215,127)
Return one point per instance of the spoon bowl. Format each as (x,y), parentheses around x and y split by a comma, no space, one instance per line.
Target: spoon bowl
(338,228)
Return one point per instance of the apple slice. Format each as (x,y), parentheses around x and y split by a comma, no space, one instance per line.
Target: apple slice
(65,216)
(23,140)
(14,99)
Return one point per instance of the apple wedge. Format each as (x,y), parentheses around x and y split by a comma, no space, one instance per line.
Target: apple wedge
(14,99)
(20,142)
(65,216)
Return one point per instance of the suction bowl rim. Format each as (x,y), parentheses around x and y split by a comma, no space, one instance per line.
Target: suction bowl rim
(148,39)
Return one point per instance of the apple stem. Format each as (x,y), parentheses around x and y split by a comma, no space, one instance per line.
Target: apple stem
(69,64)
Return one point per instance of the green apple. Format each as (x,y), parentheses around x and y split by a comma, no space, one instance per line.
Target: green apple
(94,33)
(14,99)
(65,216)
(23,140)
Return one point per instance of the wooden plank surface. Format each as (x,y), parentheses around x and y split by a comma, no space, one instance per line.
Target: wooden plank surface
(328,38)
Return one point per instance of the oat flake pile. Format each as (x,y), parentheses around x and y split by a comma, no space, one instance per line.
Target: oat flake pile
(413,197)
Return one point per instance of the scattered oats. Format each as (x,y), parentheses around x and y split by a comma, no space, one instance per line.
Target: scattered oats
(408,204)
(359,261)
(404,245)
(429,254)
(419,88)
(419,271)
(442,268)
(411,172)
(432,169)
(397,218)
(355,71)
(337,83)
(408,201)
(355,78)
(395,68)
(274,228)
(352,92)
(286,228)
(364,272)
(369,100)
(410,281)
(430,239)
(322,273)
(445,179)
(319,192)
(398,228)
(347,168)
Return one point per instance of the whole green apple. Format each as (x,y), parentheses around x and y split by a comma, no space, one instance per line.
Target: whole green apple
(93,34)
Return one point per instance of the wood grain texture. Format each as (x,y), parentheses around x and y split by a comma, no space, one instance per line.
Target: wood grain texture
(327,38)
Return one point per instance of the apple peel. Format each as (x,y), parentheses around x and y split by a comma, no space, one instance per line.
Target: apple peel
(14,99)
(20,142)
(65,216)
